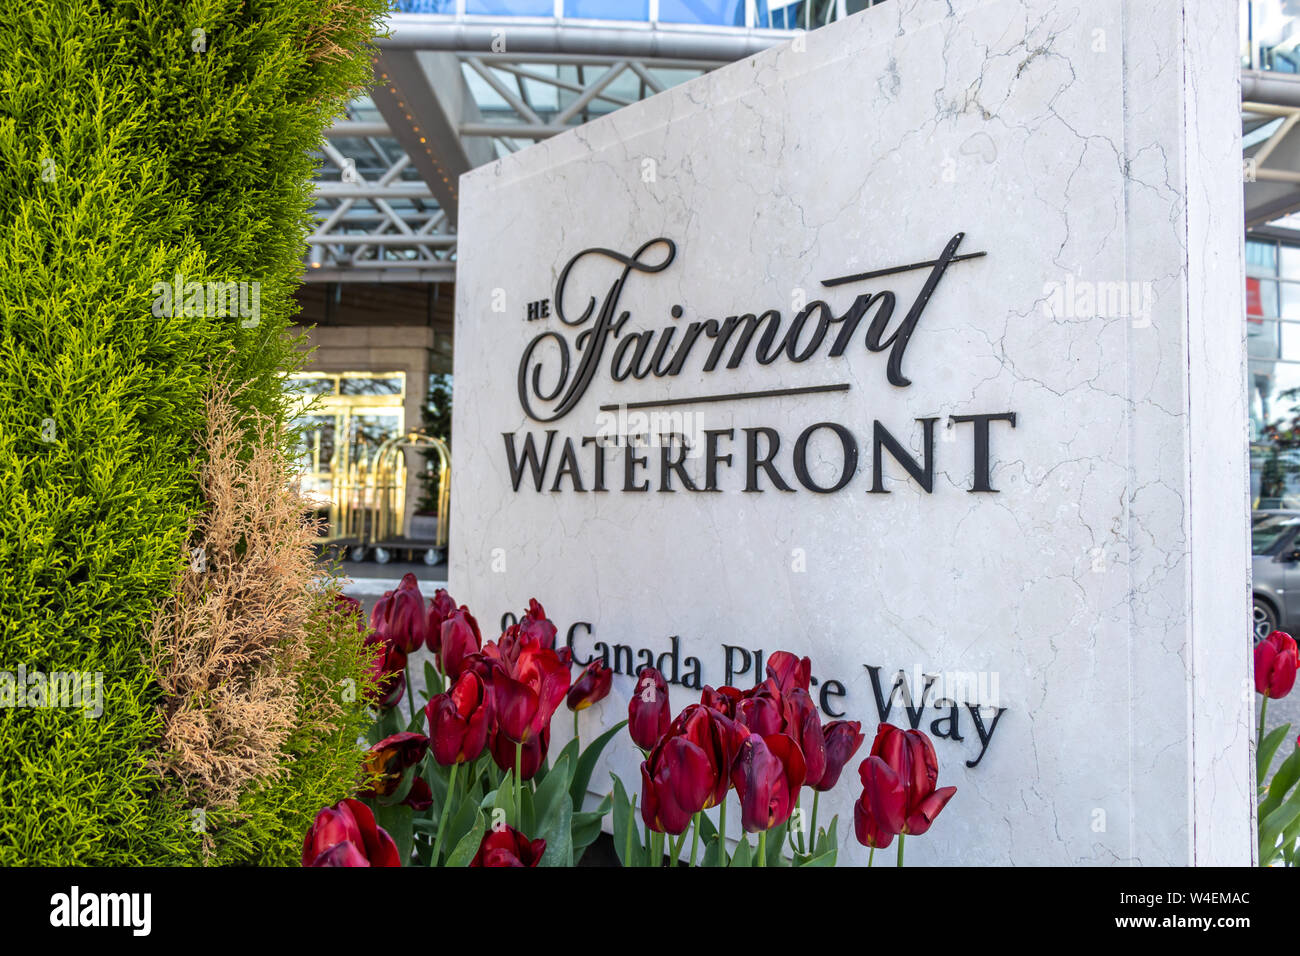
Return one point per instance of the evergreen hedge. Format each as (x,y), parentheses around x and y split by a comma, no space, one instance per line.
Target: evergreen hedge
(133,148)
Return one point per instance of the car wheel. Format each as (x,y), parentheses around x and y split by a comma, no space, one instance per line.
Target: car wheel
(1265,620)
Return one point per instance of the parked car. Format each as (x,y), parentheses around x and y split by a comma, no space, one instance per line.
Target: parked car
(1275,560)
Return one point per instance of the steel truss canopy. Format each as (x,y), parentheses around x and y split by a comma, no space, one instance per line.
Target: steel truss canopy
(455,91)
(452,93)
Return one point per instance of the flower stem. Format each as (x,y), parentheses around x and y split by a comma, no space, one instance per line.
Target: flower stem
(677,849)
(722,832)
(812,838)
(446,812)
(657,849)
(575,730)
(762,848)
(519,782)
(695,835)
(900,849)
(871,856)
(1263,709)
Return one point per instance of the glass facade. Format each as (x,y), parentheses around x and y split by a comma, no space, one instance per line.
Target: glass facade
(1270,35)
(1273,377)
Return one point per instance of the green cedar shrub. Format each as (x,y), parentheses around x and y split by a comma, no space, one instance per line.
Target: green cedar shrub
(128,155)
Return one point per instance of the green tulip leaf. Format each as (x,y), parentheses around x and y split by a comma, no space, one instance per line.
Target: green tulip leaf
(432,680)
(1287,774)
(462,819)
(775,841)
(744,855)
(1267,748)
(627,840)
(559,834)
(571,751)
(468,845)
(713,855)
(586,764)
(825,859)
(552,792)
(586,825)
(1272,826)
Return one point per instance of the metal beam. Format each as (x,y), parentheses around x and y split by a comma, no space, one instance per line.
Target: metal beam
(627,39)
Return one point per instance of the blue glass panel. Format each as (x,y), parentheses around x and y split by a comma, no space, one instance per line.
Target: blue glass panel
(608,9)
(728,13)
(511,8)
(426,6)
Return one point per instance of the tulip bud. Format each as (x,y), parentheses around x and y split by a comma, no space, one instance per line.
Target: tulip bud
(506,846)
(843,738)
(441,607)
(767,775)
(399,616)
(910,754)
(881,810)
(460,639)
(789,672)
(676,780)
(346,835)
(535,628)
(1275,665)
(648,713)
(591,687)
(460,720)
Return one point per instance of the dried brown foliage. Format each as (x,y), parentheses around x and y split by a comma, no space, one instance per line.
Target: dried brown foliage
(228,645)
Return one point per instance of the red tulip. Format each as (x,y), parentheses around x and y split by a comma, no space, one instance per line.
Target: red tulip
(508,847)
(881,810)
(843,738)
(535,628)
(648,714)
(387,669)
(399,615)
(441,607)
(591,687)
(390,758)
(530,758)
(515,704)
(459,721)
(1275,665)
(768,774)
(526,696)
(761,710)
(460,639)
(789,672)
(718,737)
(676,780)
(910,755)
(420,797)
(346,835)
(341,854)
(723,700)
(804,724)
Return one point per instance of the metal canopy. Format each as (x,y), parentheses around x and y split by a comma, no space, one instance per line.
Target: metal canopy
(455,92)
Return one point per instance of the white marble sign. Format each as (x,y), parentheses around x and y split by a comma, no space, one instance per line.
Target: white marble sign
(945,300)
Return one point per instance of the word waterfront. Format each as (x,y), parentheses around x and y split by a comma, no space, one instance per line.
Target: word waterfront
(624,463)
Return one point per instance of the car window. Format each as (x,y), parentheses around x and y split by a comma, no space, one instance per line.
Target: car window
(1267,530)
